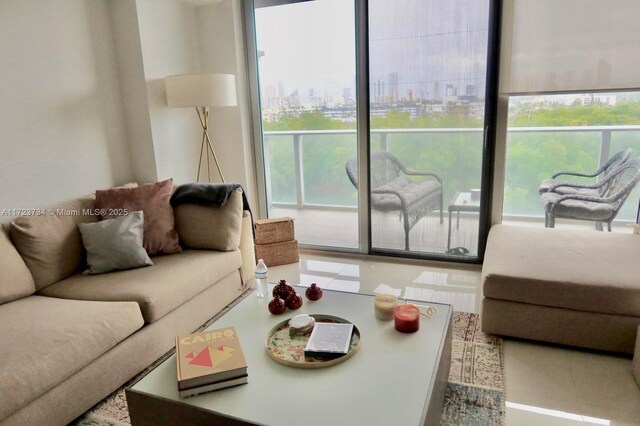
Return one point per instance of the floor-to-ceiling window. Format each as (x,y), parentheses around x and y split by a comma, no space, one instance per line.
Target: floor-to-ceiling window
(573,102)
(575,132)
(427,76)
(306,64)
(428,110)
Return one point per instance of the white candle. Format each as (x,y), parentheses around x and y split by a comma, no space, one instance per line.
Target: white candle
(384,304)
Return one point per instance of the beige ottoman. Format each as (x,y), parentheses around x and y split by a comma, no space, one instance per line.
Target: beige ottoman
(572,287)
(636,359)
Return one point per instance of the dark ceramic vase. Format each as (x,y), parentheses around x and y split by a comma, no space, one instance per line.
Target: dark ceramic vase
(277,306)
(294,301)
(283,290)
(314,292)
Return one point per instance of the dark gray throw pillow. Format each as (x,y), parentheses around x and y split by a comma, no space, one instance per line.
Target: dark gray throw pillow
(115,244)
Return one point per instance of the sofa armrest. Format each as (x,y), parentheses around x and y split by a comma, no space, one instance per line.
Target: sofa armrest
(207,227)
(636,358)
(248,269)
(225,228)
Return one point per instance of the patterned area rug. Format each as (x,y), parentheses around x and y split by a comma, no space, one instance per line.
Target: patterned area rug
(476,391)
(475,394)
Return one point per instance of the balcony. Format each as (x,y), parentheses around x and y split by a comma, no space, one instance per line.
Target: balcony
(306,179)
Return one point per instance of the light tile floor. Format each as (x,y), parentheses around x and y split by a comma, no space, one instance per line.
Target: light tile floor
(546,385)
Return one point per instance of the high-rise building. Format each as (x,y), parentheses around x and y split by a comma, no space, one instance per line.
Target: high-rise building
(269,96)
(377,91)
(470,90)
(346,94)
(451,90)
(393,87)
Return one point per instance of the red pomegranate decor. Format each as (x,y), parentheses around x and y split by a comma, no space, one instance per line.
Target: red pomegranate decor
(283,290)
(277,306)
(294,301)
(314,292)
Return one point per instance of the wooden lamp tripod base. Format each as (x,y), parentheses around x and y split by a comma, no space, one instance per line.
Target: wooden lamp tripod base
(206,148)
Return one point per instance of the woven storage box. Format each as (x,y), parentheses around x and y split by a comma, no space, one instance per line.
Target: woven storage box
(274,230)
(278,253)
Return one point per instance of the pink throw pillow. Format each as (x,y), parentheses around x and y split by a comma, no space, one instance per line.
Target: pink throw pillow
(160,236)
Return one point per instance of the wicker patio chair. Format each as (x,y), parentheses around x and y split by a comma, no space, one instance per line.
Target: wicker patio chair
(598,208)
(570,187)
(393,189)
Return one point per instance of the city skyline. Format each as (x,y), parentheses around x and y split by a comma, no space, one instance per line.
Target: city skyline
(418,62)
(448,59)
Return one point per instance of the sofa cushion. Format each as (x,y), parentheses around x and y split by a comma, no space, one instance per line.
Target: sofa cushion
(36,356)
(170,282)
(115,244)
(50,244)
(211,227)
(583,270)
(160,236)
(15,279)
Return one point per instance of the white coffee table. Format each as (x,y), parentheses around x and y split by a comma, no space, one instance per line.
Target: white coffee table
(394,379)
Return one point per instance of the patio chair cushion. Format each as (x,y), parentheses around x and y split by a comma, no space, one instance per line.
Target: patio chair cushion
(547,183)
(412,191)
(564,268)
(577,208)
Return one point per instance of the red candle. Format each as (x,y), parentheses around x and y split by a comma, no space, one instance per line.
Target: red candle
(407,318)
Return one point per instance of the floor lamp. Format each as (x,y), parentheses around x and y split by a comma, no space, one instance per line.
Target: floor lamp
(202,91)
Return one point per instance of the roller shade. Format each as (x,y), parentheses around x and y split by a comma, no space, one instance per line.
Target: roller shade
(570,45)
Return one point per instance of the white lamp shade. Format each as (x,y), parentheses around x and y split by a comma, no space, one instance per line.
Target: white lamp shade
(200,90)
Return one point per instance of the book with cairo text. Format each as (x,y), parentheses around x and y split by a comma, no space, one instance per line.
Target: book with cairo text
(209,360)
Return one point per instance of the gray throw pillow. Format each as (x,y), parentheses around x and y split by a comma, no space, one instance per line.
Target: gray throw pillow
(115,244)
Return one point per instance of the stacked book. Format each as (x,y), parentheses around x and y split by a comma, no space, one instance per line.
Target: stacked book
(209,361)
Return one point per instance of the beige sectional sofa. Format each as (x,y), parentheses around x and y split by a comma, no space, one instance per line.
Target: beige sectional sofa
(562,286)
(70,339)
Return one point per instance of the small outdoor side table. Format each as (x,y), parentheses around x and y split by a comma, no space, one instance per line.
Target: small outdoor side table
(461,202)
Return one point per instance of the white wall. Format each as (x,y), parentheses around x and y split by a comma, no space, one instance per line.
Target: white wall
(186,37)
(83,103)
(133,88)
(62,130)
(221,43)
(169,42)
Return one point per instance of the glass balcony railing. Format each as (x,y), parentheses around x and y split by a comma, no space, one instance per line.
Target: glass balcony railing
(306,168)
(536,153)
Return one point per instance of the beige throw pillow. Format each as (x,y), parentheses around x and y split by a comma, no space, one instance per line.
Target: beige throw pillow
(15,279)
(50,244)
(211,227)
(160,237)
(115,244)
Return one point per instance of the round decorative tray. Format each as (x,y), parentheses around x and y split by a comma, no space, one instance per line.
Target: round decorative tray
(289,350)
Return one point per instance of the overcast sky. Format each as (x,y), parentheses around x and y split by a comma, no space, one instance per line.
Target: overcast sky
(307,45)
(312,44)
